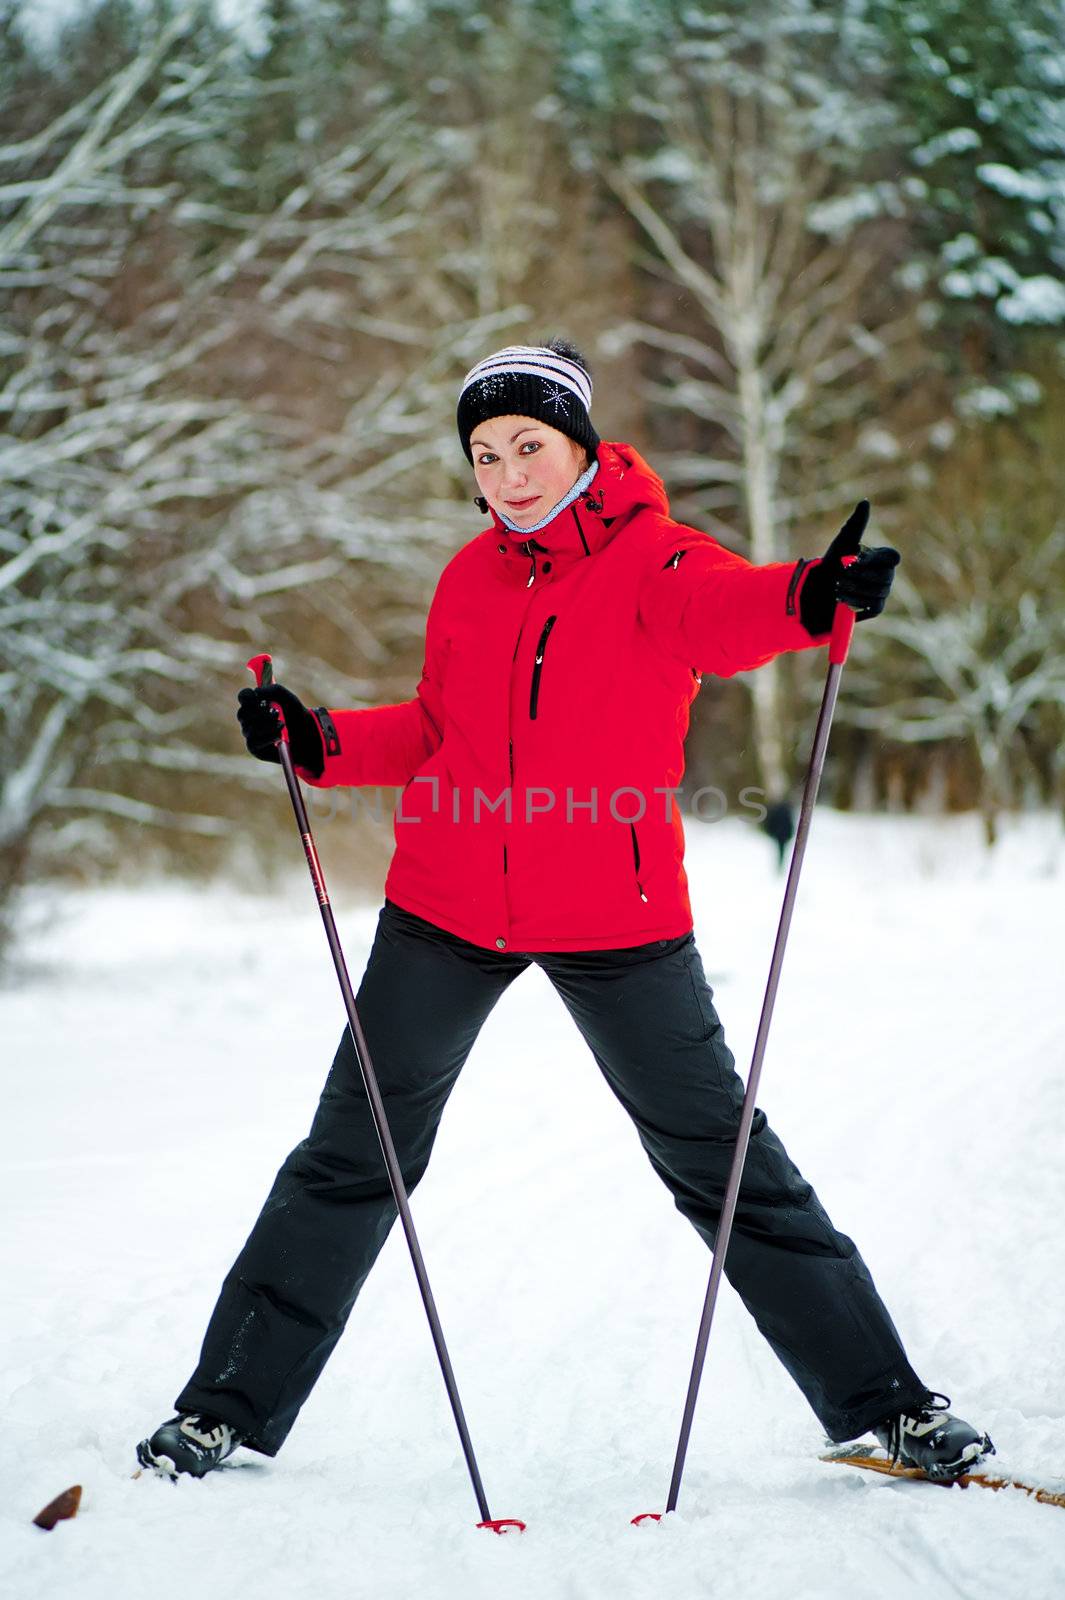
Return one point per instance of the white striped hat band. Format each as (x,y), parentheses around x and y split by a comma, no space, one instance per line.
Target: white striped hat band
(535,361)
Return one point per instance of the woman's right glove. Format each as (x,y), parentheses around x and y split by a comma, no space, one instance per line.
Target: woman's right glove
(261,726)
(863,584)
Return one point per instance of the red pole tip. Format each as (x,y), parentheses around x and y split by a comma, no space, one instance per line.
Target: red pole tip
(502,1525)
(647,1516)
(842,626)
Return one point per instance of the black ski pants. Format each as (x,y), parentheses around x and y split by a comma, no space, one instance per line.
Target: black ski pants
(647,1015)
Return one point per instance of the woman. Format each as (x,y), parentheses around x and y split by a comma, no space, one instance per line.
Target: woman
(540,759)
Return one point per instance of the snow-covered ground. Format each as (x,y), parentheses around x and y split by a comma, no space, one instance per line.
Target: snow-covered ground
(163,1049)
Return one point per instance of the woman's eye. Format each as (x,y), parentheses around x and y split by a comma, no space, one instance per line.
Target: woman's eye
(531,444)
(485,460)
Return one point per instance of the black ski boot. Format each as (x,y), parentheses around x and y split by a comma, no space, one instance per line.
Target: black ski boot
(941,1445)
(191,1444)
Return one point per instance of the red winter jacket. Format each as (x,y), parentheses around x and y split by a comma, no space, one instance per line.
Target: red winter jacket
(542,749)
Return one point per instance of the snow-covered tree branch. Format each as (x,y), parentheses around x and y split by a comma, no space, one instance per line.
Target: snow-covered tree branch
(797,355)
(200,445)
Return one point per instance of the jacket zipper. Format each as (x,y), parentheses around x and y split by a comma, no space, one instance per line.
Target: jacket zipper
(636,859)
(538,665)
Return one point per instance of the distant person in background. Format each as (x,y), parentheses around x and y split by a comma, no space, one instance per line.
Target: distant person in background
(540,760)
(779,824)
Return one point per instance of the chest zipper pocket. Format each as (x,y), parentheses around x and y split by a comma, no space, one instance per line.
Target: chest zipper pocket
(636,860)
(538,666)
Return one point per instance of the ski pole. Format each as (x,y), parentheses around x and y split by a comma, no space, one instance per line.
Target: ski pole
(839,645)
(263,669)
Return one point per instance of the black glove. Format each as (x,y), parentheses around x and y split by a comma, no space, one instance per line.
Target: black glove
(864,585)
(261,727)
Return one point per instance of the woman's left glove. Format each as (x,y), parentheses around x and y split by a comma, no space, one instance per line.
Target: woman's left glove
(261,726)
(864,584)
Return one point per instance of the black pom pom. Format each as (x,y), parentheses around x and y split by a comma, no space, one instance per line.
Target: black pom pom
(567,350)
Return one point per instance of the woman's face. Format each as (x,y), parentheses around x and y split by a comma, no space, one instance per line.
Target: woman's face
(524,467)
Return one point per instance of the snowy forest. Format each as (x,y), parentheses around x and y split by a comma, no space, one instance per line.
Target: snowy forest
(814,250)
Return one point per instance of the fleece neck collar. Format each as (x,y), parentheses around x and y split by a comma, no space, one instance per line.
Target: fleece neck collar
(567,500)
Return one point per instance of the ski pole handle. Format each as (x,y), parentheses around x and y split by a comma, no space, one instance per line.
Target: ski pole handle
(843,620)
(842,633)
(263,669)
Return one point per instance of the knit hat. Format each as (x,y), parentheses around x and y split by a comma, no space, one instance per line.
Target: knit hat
(550,382)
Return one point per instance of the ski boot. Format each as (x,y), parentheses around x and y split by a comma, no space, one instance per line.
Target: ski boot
(189,1444)
(943,1446)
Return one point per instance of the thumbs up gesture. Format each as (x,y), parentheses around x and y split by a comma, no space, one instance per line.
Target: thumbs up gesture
(850,572)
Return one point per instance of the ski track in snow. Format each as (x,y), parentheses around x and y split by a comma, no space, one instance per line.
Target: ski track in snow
(164,1048)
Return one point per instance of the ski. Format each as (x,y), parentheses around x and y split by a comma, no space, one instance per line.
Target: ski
(871,1459)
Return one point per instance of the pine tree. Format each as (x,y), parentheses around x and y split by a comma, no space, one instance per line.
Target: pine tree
(979,92)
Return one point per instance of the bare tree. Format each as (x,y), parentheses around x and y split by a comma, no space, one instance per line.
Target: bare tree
(204,427)
(517,245)
(977,625)
(788,352)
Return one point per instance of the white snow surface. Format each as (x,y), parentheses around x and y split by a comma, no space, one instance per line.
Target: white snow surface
(164,1048)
